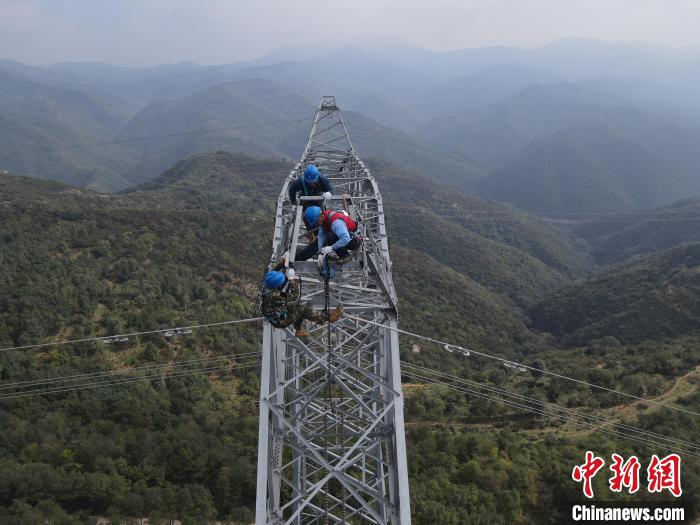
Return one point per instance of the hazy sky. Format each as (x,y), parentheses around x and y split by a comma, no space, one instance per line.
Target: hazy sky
(144,32)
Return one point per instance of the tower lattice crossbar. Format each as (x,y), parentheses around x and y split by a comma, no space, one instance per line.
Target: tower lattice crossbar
(331,443)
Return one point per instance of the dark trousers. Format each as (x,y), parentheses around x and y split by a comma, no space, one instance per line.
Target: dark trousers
(304,254)
(331,238)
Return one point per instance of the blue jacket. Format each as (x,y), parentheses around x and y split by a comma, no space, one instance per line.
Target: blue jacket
(307,190)
(340,229)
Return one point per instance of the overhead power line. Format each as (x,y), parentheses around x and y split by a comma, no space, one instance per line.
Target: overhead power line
(130,334)
(538,403)
(108,373)
(536,370)
(247,360)
(528,408)
(519,402)
(405,332)
(131,380)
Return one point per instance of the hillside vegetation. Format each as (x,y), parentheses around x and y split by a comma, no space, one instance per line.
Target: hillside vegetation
(260,117)
(654,297)
(72,267)
(591,167)
(78,264)
(216,182)
(616,237)
(190,246)
(497,222)
(45,129)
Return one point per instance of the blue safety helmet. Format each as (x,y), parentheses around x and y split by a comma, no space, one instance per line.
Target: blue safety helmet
(311,174)
(274,279)
(311,216)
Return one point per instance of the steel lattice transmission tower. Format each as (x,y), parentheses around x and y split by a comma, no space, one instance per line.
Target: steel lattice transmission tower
(331,444)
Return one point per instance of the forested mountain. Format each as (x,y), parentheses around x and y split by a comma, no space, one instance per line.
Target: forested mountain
(265,118)
(256,116)
(452,97)
(250,185)
(72,266)
(190,246)
(663,287)
(17,85)
(497,222)
(42,129)
(493,134)
(481,240)
(617,237)
(217,182)
(569,147)
(78,263)
(589,169)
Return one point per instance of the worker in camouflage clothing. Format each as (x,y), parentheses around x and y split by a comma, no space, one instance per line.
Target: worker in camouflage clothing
(281,303)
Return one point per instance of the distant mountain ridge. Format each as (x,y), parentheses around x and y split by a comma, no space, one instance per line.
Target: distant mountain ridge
(264,118)
(554,148)
(588,170)
(252,116)
(535,117)
(45,131)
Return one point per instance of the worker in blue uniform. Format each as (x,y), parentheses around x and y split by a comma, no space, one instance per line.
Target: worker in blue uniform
(337,235)
(312,183)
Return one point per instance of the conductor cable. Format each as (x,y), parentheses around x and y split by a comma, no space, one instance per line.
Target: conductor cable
(537,370)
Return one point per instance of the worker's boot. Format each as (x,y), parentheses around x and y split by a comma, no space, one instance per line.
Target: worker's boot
(301,332)
(335,314)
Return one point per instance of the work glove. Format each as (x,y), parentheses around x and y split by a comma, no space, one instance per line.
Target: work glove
(291,274)
(327,195)
(326,250)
